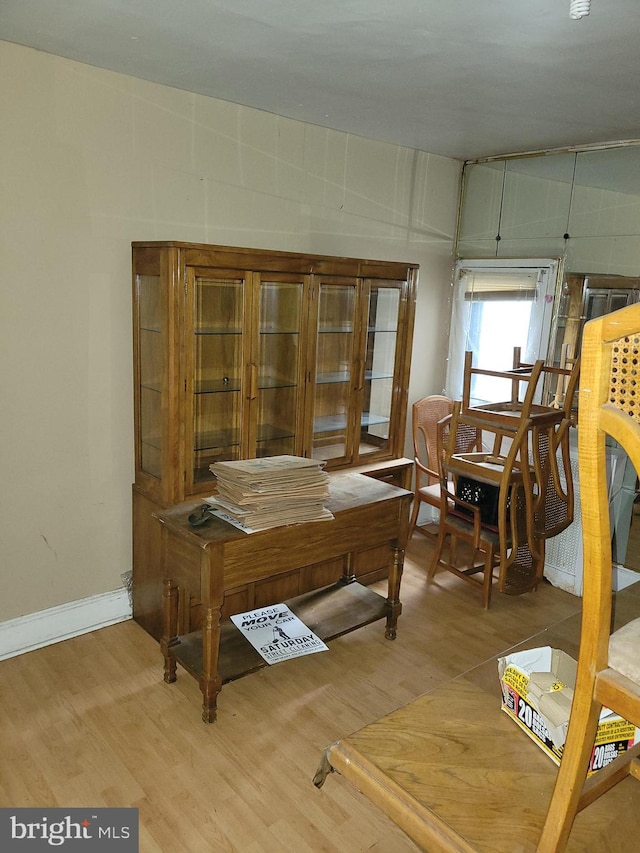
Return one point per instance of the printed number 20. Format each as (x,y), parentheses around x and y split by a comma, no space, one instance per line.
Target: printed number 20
(599,757)
(525,713)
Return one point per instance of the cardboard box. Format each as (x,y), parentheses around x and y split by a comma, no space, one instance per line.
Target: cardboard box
(537,689)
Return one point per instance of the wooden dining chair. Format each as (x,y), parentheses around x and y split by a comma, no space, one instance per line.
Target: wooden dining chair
(426,415)
(553,504)
(547,444)
(608,672)
(521,384)
(524,384)
(559,382)
(486,502)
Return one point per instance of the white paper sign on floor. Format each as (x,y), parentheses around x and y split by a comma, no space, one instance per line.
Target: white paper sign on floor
(277,634)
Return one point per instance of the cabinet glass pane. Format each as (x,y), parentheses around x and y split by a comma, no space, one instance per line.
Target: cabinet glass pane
(334,366)
(218,373)
(597,303)
(279,367)
(380,354)
(621,300)
(151,341)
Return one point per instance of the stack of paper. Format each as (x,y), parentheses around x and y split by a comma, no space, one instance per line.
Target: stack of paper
(272,491)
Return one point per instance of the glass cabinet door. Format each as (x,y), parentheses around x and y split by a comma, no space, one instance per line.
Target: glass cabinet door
(279,389)
(379,366)
(151,304)
(335,404)
(215,372)
(600,301)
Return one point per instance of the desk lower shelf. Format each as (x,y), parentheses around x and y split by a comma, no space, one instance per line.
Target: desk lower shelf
(329,612)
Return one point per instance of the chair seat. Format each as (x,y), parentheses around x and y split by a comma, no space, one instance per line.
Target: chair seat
(623,651)
(465,523)
(430,494)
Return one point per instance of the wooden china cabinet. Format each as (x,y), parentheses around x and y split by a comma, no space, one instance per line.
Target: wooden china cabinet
(582,298)
(242,353)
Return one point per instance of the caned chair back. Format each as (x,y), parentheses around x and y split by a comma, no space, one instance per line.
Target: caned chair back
(425,416)
(608,663)
(431,419)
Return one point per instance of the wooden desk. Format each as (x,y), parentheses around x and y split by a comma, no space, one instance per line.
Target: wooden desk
(398,472)
(370,516)
(456,774)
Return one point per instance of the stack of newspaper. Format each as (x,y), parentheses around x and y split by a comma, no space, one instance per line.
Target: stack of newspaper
(256,494)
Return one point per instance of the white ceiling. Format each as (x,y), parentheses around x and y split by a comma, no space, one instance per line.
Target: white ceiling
(463,78)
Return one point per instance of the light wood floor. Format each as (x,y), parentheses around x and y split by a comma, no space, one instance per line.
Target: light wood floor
(90,722)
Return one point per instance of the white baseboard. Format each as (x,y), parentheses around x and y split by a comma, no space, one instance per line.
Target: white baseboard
(560,579)
(623,577)
(46,627)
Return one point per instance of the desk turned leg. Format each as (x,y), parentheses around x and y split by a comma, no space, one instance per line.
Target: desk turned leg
(210,682)
(169,628)
(324,768)
(393,601)
(348,570)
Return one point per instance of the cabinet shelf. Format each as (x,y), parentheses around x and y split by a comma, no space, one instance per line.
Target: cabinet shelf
(370,376)
(335,330)
(224,331)
(217,386)
(337,376)
(268,432)
(270,383)
(340,376)
(231,437)
(217,439)
(332,423)
(368,419)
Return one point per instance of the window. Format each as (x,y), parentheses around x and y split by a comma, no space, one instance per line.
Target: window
(496,307)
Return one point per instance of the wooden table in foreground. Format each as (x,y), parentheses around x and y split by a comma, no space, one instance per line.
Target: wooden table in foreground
(456,774)
(222,564)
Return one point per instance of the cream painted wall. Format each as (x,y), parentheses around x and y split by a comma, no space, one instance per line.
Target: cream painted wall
(91,160)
